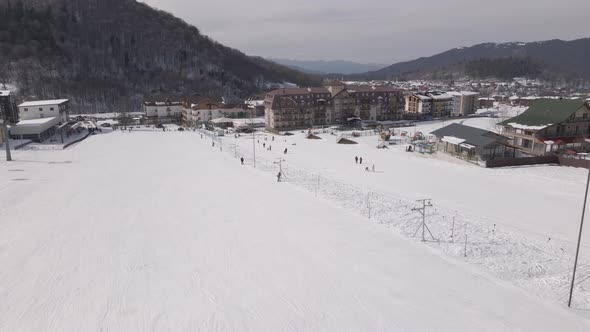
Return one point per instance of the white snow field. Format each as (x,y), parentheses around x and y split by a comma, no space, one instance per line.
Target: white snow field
(521,223)
(160,231)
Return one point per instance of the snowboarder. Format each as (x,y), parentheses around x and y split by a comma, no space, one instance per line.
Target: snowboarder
(242,160)
(361,160)
(356,159)
(279,177)
(285,152)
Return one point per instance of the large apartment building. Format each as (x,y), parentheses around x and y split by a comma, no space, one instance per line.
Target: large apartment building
(550,125)
(464,103)
(333,104)
(418,105)
(428,104)
(163,108)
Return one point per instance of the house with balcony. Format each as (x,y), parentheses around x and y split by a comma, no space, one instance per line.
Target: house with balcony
(163,109)
(470,143)
(550,125)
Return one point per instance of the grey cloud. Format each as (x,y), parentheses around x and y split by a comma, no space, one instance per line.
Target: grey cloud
(383,31)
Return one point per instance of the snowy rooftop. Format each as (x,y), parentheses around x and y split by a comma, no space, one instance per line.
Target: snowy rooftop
(5,92)
(35,122)
(469,93)
(43,103)
(452,140)
(441,96)
(516,125)
(222,120)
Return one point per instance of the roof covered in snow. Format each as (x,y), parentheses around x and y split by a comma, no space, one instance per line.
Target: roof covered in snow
(35,122)
(43,102)
(222,120)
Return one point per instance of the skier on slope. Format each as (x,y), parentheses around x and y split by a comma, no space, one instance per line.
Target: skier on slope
(242,160)
(356,159)
(279,177)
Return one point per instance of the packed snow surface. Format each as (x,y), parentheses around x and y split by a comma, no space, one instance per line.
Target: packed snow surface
(161,231)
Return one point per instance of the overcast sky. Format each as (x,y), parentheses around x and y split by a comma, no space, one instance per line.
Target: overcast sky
(376,31)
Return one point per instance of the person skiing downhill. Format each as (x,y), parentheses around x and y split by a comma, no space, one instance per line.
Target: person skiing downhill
(242,160)
(361,160)
(279,177)
(356,159)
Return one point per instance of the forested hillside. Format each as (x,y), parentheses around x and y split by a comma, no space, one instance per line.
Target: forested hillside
(107,55)
(554,60)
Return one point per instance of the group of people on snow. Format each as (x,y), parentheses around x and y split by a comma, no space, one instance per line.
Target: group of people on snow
(360,161)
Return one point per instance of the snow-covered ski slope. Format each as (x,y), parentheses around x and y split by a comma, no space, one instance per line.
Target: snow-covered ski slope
(160,231)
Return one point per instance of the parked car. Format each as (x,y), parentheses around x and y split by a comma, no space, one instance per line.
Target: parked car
(180,129)
(160,126)
(105,125)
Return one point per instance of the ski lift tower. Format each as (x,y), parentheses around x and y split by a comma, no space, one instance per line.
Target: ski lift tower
(3,124)
(426,203)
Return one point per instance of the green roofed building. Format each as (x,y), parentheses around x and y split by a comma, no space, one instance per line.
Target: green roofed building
(550,125)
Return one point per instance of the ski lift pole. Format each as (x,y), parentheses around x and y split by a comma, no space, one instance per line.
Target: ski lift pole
(7,139)
(569,302)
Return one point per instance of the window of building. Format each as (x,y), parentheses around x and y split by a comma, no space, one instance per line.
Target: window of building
(40,109)
(585,116)
(526,143)
(51,108)
(26,109)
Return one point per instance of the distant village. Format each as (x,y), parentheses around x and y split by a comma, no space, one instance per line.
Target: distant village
(548,126)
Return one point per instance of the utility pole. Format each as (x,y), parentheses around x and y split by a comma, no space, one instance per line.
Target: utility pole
(235,146)
(280,163)
(7,139)
(254,145)
(425,204)
(569,302)
(369,204)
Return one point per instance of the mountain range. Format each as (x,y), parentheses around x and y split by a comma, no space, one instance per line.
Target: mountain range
(108,55)
(323,67)
(550,60)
